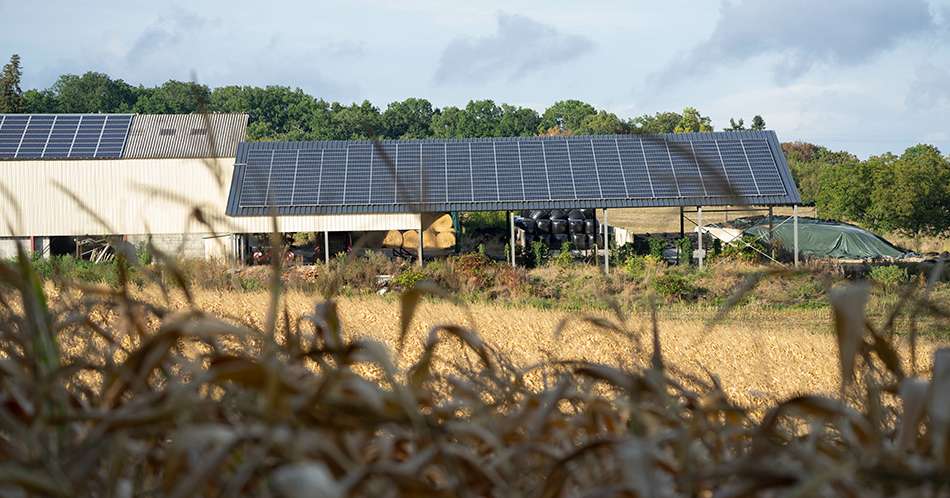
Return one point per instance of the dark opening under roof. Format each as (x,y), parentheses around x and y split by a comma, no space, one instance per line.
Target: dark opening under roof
(489,174)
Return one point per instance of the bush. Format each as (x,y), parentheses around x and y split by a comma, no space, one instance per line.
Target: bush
(540,253)
(657,245)
(889,275)
(685,248)
(676,286)
(564,257)
(408,278)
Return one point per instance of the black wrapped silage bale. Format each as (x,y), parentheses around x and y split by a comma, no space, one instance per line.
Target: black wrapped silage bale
(558,227)
(520,222)
(576,226)
(556,214)
(590,226)
(575,214)
(579,240)
(588,214)
(593,240)
(544,226)
(558,239)
(530,225)
(539,214)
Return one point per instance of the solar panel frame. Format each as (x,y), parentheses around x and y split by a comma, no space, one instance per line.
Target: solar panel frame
(506,173)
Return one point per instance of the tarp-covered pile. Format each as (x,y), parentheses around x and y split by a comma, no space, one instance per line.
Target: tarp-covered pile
(816,238)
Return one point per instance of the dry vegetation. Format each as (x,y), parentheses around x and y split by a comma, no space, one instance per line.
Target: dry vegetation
(110,391)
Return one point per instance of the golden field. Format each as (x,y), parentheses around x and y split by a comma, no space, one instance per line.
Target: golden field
(759,355)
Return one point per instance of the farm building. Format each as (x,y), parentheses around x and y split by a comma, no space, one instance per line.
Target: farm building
(70,177)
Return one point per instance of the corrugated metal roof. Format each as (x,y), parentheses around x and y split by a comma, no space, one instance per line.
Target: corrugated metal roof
(787,195)
(185,135)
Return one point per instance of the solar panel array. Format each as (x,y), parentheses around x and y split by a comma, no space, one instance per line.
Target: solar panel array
(392,176)
(63,136)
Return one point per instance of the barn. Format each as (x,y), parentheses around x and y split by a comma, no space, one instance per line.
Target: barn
(72,181)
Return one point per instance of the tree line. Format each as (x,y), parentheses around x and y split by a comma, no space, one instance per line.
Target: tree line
(909,193)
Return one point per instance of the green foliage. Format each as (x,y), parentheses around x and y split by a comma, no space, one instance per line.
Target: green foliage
(657,245)
(693,121)
(173,97)
(482,251)
(845,190)
(566,115)
(540,253)
(517,121)
(912,194)
(743,251)
(676,286)
(409,118)
(564,258)
(602,123)
(661,122)
(635,266)
(888,275)
(758,124)
(685,248)
(734,126)
(93,92)
(623,252)
(11,95)
(408,278)
(477,221)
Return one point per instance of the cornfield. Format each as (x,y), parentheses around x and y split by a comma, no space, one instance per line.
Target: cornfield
(166,402)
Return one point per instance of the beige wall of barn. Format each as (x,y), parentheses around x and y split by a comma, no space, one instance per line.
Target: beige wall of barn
(139,196)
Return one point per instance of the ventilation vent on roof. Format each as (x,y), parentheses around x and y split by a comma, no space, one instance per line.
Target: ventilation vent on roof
(166,132)
(199,131)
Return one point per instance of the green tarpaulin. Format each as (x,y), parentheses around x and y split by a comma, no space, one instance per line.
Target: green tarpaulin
(821,239)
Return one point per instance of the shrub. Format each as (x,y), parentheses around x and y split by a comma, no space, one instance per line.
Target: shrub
(676,286)
(564,258)
(540,253)
(657,245)
(685,248)
(889,275)
(408,278)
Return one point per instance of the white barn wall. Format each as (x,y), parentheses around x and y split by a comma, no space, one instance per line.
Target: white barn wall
(140,196)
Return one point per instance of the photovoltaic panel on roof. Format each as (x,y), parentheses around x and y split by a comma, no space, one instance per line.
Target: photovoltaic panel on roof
(693,169)
(63,136)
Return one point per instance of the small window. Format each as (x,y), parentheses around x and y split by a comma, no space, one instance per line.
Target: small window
(199,131)
(166,132)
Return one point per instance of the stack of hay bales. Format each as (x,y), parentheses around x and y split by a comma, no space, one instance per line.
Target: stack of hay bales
(438,234)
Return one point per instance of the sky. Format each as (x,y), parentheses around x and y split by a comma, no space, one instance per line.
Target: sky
(867,76)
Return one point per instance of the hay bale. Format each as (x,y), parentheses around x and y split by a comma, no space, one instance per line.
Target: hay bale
(393,238)
(410,239)
(438,222)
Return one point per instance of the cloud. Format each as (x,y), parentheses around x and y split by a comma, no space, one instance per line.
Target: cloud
(930,88)
(799,34)
(167,31)
(521,46)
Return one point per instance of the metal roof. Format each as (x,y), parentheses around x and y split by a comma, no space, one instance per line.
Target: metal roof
(185,135)
(488,174)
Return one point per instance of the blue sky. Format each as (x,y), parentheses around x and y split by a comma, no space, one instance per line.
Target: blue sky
(868,76)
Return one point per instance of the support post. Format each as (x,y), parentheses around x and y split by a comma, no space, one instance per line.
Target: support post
(682,225)
(326,247)
(771,235)
(699,238)
(795,230)
(511,244)
(606,244)
(421,230)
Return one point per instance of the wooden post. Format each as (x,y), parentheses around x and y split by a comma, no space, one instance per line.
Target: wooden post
(682,225)
(795,229)
(606,244)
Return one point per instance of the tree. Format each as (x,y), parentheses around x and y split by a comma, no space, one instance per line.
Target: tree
(518,121)
(356,121)
(661,122)
(447,123)
(911,194)
(692,121)
(758,124)
(734,126)
(276,112)
(566,115)
(93,92)
(410,118)
(40,102)
(173,97)
(482,118)
(844,190)
(602,123)
(11,95)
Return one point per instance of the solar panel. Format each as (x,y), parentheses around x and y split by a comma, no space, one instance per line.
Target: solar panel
(63,136)
(510,173)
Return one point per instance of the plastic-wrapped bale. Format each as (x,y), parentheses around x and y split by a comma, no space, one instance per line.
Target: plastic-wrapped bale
(575,214)
(544,226)
(558,227)
(588,214)
(557,240)
(521,223)
(539,214)
(592,240)
(530,225)
(557,214)
(576,226)
(579,240)
(590,226)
